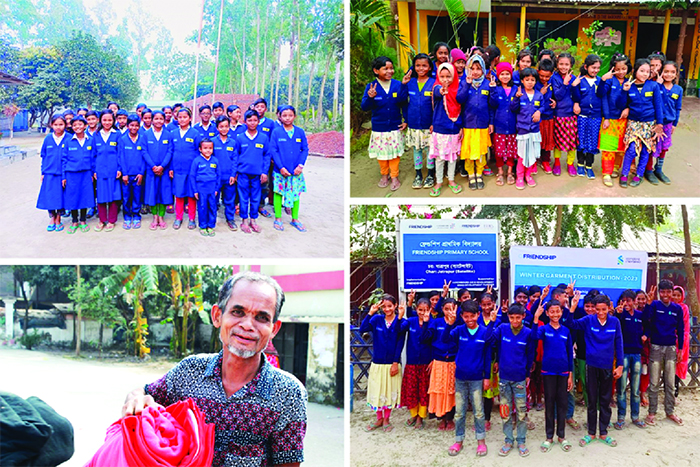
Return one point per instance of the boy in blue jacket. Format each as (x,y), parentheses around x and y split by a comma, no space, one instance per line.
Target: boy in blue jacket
(603,336)
(204,179)
(224,150)
(473,368)
(663,324)
(515,353)
(528,104)
(132,165)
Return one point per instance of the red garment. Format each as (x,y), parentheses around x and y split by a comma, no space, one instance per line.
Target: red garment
(452,107)
(176,435)
(682,362)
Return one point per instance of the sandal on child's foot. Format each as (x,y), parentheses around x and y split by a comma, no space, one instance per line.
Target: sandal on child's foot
(99,227)
(177,224)
(411,421)
(479,182)
(395,184)
(565,445)
(51,227)
(263,212)
(255,227)
(510,179)
(191,225)
(609,440)
(675,418)
(639,423)
(456,189)
(203,232)
(127,225)
(388,427)
(481,450)
(499,179)
(211,232)
(383,182)
(619,425)
(436,191)
(59,227)
(298,225)
(136,224)
(546,446)
(84,227)
(573,424)
(454,449)
(232,225)
(109,227)
(73,229)
(651,419)
(472,182)
(154,225)
(523,450)
(586,440)
(505,449)
(278,225)
(245,227)
(371,426)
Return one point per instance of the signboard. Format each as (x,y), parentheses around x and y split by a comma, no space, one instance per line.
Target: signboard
(464,252)
(610,271)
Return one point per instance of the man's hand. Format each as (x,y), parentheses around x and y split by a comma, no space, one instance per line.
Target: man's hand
(136,401)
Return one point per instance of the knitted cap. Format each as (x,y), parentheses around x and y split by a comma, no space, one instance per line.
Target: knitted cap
(457,54)
(504,66)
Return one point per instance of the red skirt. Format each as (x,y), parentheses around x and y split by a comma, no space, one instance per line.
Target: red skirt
(547,131)
(566,133)
(506,146)
(414,386)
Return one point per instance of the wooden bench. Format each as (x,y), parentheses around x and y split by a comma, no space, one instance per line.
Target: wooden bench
(11,152)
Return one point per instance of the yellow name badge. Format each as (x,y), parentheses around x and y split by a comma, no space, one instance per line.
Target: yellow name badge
(428,93)
(112,143)
(649,94)
(258,145)
(266,129)
(537,103)
(298,140)
(138,148)
(213,166)
(189,140)
(484,92)
(674,96)
(165,141)
(394,94)
(229,149)
(89,148)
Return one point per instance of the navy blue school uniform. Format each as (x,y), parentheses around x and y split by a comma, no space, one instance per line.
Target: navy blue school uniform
(237,130)
(603,342)
(473,360)
(673,100)
(504,121)
(442,124)
(562,95)
(418,114)
(547,112)
(106,167)
(524,108)
(185,149)
(51,192)
(131,164)
(208,132)
(251,160)
(266,126)
(78,166)
(664,323)
(590,99)
(159,153)
(645,104)
(288,151)
(173,125)
(558,350)
(204,181)
(514,353)
(224,152)
(516,78)
(443,351)
(632,331)
(417,353)
(387,342)
(476,113)
(613,91)
(385,107)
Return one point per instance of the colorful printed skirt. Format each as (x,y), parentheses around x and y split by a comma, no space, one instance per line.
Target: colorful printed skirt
(565,133)
(445,147)
(289,187)
(506,146)
(588,133)
(529,148)
(547,131)
(612,137)
(475,143)
(386,145)
(414,386)
(442,388)
(383,390)
(664,144)
(417,139)
(642,134)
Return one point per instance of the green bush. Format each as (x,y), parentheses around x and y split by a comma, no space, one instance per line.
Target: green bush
(30,340)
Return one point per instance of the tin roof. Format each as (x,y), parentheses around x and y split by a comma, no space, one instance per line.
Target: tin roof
(669,245)
(6,79)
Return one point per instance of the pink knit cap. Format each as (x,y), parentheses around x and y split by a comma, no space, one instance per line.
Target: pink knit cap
(457,54)
(504,66)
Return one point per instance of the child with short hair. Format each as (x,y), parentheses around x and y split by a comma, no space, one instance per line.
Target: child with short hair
(441,54)
(514,351)
(93,120)
(557,373)
(472,369)
(384,97)
(488,310)
(587,93)
(678,298)
(603,336)
(416,376)
(132,166)
(612,131)
(51,192)
(580,341)
(384,381)
(476,119)
(205,182)
(78,168)
(122,117)
(565,130)
(640,302)
(663,324)
(524,60)
(217,110)
(504,122)
(224,150)
(527,104)
(204,126)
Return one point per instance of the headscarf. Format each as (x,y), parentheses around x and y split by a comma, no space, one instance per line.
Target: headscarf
(477,58)
(452,107)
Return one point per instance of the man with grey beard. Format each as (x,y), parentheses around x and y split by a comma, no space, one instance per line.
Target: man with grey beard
(259,411)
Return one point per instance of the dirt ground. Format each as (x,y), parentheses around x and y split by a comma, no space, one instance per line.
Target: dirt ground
(662,445)
(24,234)
(682,167)
(90,394)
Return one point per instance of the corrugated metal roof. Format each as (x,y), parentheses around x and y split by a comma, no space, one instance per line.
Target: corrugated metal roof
(645,240)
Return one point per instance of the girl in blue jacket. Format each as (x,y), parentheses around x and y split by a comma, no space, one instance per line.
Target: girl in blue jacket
(527,104)
(132,165)
(612,131)
(185,149)
(158,154)
(419,117)
(51,192)
(565,132)
(78,167)
(672,100)
(588,92)
(289,152)
(225,150)
(505,144)
(384,97)
(107,174)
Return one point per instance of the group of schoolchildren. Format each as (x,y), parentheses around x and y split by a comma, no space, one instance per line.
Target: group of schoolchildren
(455,109)
(158,161)
(466,352)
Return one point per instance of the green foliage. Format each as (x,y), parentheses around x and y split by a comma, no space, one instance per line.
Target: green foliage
(514,47)
(33,339)
(673,224)
(560,45)
(95,304)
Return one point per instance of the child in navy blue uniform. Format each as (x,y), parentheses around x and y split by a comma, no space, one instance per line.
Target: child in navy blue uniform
(289,152)
(663,324)
(146,120)
(514,350)
(265,126)
(441,54)
(672,100)
(416,376)
(132,165)
(643,97)
(185,150)
(78,167)
(51,192)
(107,174)
(527,104)
(612,131)
(92,120)
(603,336)
(122,117)
(205,128)
(557,372)
(250,170)
(588,92)
(158,187)
(419,117)
(205,182)
(565,132)
(225,150)
(545,70)
(633,339)
(473,367)
(217,110)
(384,97)
(504,123)
(384,381)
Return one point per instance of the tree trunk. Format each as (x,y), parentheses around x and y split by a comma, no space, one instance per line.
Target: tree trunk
(102,326)
(535,227)
(185,315)
(311,81)
(298,67)
(243,61)
(319,115)
(290,78)
(279,73)
(336,101)
(394,5)
(658,257)
(681,39)
(557,229)
(262,87)
(691,286)
(257,49)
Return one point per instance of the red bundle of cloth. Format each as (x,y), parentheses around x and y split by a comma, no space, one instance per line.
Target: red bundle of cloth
(171,436)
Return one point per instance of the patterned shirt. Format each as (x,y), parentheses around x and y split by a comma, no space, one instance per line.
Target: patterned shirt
(262,424)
